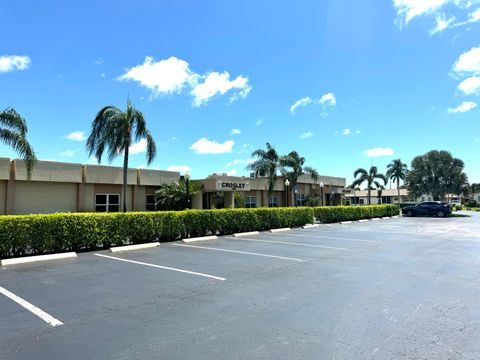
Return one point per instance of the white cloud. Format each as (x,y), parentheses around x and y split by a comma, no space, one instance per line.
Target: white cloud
(468,62)
(76,136)
(179,168)
(306,135)
(259,122)
(375,152)
(328,99)
(162,77)
(67,153)
(139,147)
(239,162)
(14,62)
(174,138)
(346,132)
(102,75)
(219,83)
(299,103)
(171,76)
(463,107)
(358,132)
(470,85)
(235,132)
(205,146)
(442,23)
(232,172)
(407,10)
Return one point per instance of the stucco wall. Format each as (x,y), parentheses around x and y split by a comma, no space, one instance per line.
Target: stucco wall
(43,197)
(4,168)
(95,174)
(49,171)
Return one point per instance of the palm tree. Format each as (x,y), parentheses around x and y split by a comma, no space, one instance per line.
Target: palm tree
(369,177)
(397,171)
(13,132)
(115,130)
(266,164)
(292,167)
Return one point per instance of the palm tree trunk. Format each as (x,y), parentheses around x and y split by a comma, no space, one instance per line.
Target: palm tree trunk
(369,195)
(125,173)
(398,189)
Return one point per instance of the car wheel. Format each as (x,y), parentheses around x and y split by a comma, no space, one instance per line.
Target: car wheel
(409,213)
(440,213)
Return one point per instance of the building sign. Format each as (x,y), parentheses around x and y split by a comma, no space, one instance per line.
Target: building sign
(233,185)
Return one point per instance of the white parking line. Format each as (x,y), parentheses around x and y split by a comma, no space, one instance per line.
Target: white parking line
(327,237)
(290,243)
(162,267)
(32,308)
(240,252)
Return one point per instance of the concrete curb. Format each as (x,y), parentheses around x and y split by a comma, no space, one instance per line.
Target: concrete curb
(363,220)
(308,226)
(375,219)
(134,247)
(202,238)
(246,233)
(279,230)
(30,259)
(345,222)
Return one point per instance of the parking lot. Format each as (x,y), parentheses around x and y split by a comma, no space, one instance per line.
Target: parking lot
(387,289)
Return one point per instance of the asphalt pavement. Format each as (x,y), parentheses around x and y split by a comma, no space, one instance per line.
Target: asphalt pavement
(403,288)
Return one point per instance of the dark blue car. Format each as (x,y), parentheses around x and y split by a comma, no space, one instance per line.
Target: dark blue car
(429,208)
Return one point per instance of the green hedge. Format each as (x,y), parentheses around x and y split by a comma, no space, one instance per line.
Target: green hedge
(42,234)
(330,214)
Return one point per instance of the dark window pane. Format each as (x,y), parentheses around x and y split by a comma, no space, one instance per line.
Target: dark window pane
(100,208)
(113,208)
(150,199)
(114,199)
(150,207)
(101,199)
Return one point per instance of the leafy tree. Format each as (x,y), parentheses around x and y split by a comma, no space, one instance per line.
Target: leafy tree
(174,196)
(115,130)
(362,175)
(437,173)
(239,200)
(292,167)
(13,132)
(266,164)
(397,171)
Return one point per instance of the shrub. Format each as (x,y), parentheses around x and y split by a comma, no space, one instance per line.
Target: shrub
(329,214)
(49,233)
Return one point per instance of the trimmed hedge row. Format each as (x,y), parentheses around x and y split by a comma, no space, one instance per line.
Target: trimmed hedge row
(50,233)
(331,214)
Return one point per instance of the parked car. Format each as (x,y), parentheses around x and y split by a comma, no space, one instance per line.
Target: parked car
(428,208)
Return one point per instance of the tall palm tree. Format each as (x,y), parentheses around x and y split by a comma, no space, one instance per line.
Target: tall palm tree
(115,130)
(397,171)
(362,175)
(266,164)
(13,132)
(292,167)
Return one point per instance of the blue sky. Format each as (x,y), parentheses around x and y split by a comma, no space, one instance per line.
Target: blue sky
(346,83)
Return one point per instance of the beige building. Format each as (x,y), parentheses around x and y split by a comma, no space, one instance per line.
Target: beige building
(67,187)
(64,187)
(388,196)
(219,190)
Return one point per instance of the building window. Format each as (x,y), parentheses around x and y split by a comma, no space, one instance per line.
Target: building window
(478,199)
(273,202)
(250,202)
(150,201)
(301,199)
(362,202)
(386,199)
(107,202)
(423,198)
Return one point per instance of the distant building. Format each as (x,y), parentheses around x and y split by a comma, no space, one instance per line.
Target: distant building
(388,196)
